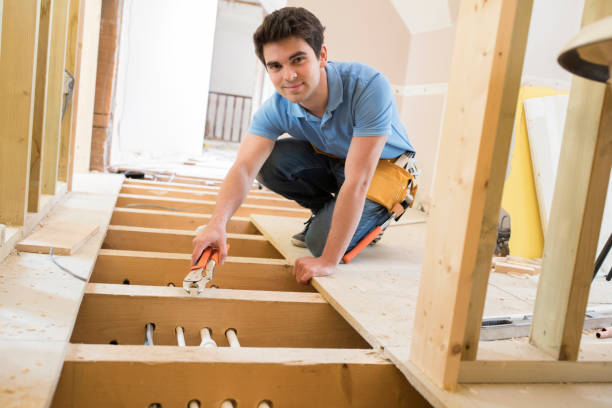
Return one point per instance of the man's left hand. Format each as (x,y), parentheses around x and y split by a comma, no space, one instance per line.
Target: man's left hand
(308,267)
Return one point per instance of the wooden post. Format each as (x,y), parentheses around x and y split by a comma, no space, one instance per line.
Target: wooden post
(576,212)
(20,20)
(70,65)
(54,96)
(481,100)
(40,103)
(75,96)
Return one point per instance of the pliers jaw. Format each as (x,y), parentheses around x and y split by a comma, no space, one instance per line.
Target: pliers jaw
(202,272)
(194,280)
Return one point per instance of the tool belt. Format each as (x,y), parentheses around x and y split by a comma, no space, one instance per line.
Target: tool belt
(392,182)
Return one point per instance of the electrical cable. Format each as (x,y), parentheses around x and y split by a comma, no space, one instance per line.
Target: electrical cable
(65,269)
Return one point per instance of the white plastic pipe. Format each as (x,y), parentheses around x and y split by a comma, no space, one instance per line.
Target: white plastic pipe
(180,336)
(228,404)
(232,338)
(150,327)
(207,341)
(264,404)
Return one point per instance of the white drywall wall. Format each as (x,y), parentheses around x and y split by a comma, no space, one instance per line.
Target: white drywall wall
(164,72)
(423,16)
(553,24)
(271,5)
(234,66)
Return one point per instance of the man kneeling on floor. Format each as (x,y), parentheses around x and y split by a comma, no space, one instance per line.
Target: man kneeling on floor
(343,122)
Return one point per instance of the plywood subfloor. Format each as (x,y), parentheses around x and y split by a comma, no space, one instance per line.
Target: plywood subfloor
(377,294)
(39,302)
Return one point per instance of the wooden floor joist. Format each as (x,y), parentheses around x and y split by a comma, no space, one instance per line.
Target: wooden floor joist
(137,376)
(161,268)
(202,206)
(204,195)
(176,220)
(178,241)
(254,191)
(262,318)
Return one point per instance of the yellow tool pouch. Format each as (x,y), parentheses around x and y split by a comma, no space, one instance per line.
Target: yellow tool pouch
(390,184)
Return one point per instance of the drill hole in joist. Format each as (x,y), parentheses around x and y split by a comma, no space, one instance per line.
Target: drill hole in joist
(126,281)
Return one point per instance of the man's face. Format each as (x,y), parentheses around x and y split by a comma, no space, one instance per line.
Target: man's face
(293,67)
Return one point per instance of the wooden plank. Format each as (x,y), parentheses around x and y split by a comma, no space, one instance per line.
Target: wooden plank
(40,104)
(176,220)
(64,237)
(75,96)
(191,188)
(202,206)
(534,372)
(576,212)
(20,21)
(55,81)
(162,240)
(161,268)
(510,77)
(102,376)
(475,117)
(70,66)
(43,301)
(261,318)
(204,195)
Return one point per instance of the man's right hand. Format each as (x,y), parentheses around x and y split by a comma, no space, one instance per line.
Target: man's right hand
(212,236)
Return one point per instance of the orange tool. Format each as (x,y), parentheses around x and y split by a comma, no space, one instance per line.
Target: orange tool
(203,271)
(398,211)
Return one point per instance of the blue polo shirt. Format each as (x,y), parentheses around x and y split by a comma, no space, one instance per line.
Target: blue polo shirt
(360,103)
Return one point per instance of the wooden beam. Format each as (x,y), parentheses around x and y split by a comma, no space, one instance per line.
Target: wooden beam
(192,187)
(55,79)
(261,318)
(40,104)
(20,21)
(103,376)
(176,220)
(534,372)
(474,111)
(70,66)
(161,268)
(576,212)
(75,96)
(202,206)
(162,240)
(203,195)
(510,79)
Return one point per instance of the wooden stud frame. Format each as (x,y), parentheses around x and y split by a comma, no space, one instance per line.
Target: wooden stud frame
(54,95)
(458,264)
(18,62)
(30,66)
(472,124)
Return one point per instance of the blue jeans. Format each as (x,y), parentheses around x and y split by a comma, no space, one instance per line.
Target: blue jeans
(295,171)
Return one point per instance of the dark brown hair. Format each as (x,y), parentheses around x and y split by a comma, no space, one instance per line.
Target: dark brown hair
(289,22)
